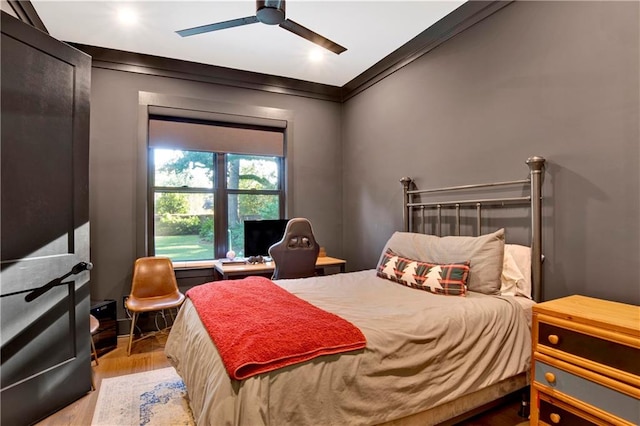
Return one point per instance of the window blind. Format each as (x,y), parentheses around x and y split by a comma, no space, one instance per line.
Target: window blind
(215,138)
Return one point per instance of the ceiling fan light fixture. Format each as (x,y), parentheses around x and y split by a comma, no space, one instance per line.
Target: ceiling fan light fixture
(127,16)
(316,54)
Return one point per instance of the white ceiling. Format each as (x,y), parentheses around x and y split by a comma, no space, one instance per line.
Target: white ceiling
(369,29)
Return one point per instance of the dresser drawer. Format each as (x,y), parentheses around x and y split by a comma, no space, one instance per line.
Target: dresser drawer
(556,413)
(605,352)
(572,387)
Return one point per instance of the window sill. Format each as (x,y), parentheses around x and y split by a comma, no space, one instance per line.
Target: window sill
(194,264)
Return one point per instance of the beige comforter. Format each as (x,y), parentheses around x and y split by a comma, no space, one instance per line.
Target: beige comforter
(422,350)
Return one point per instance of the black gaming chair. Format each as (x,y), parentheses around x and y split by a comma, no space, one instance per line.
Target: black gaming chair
(296,254)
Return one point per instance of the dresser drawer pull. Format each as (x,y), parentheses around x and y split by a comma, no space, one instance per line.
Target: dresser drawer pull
(551,378)
(555,418)
(553,339)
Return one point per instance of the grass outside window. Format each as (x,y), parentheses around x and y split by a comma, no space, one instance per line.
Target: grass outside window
(184,247)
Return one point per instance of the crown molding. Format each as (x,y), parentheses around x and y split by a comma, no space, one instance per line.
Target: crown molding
(173,68)
(27,13)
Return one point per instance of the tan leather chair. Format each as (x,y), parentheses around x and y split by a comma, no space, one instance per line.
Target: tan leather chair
(153,288)
(296,254)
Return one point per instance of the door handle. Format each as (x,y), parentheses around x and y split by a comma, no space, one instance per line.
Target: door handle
(79,267)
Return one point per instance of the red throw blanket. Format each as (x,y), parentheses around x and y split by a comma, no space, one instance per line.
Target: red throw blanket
(258,326)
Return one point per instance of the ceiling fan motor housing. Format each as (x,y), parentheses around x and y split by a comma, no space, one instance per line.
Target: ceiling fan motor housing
(270,12)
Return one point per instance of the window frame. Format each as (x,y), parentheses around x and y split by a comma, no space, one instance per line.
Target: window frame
(220,193)
(221,236)
(168,105)
(153,189)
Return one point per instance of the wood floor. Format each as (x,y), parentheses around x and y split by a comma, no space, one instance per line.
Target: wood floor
(148,354)
(504,415)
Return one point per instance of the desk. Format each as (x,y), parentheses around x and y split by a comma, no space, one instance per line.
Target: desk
(226,271)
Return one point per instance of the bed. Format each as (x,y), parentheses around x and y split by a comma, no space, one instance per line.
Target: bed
(431,354)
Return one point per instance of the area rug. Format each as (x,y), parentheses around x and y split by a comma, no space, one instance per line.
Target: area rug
(157,397)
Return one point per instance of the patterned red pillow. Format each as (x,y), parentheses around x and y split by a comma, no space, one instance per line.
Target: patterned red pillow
(447,279)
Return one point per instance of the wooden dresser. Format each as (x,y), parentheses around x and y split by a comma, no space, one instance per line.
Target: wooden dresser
(586,362)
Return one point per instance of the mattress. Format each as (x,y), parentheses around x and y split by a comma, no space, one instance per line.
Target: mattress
(422,350)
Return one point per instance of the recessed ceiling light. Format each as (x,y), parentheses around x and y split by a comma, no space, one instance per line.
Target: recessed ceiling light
(316,55)
(127,16)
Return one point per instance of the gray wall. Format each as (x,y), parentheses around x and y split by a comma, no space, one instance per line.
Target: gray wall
(316,166)
(555,79)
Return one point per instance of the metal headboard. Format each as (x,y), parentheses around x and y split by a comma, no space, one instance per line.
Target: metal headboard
(413,203)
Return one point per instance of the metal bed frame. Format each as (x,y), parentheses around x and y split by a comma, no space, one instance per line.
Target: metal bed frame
(413,205)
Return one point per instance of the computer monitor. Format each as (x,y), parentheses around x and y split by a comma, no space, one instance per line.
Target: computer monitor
(259,235)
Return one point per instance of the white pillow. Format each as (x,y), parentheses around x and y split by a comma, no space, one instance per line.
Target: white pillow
(511,276)
(516,270)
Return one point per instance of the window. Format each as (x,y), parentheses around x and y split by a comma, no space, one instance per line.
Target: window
(253,192)
(183,203)
(199,198)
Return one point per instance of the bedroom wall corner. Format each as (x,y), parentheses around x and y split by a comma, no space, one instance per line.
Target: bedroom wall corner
(555,79)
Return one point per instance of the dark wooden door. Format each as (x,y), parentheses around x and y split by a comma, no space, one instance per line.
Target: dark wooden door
(45,359)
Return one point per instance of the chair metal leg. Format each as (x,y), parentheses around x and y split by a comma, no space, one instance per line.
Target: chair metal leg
(133,325)
(93,351)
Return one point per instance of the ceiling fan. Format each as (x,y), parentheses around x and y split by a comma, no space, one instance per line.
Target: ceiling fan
(270,12)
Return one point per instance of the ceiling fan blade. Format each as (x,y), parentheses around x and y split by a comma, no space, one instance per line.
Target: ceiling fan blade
(218,26)
(306,33)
